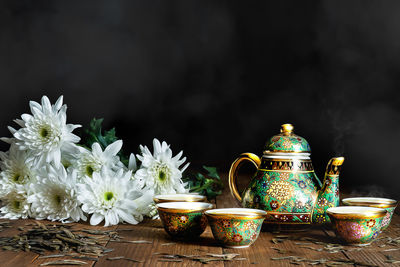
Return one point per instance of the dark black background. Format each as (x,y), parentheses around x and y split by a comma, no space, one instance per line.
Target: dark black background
(217,78)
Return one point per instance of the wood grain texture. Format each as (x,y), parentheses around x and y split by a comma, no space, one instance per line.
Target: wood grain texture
(260,253)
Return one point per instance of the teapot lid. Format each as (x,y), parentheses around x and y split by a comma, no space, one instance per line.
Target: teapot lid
(287,142)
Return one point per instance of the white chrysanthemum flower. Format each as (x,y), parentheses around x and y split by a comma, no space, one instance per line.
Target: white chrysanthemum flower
(15,203)
(45,133)
(54,195)
(89,162)
(160,171)
(111,197)
(16,168)
(132,166)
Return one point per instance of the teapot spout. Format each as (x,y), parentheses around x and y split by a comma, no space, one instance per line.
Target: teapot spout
(328,196)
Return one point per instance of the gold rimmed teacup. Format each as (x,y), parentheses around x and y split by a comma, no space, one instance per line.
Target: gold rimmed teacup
(184,219)
(356,224)
(179,198)
(235,227)
(376,202)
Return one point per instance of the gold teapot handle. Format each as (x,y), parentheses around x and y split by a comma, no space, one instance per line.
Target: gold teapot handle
(233,171)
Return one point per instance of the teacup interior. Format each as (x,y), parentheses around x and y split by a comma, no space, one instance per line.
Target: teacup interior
(185,205)
(356,210)
(181,197)
(368,200)
(237,212)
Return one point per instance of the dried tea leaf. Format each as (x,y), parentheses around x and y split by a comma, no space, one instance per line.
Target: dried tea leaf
(168,244)
(223,256)
(52,256)
(64,262)
(170,260)
(391,249)
(281,258)
(134,260)
(68,233)
(312,248)
(115,258)
(280,250)
(123,258)
(85,258)
(275,241)
(41,225)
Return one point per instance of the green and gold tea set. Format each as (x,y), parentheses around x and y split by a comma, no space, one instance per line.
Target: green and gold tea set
(233,228)
(286,194)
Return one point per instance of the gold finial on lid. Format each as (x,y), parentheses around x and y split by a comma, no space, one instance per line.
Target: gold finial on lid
(287,128)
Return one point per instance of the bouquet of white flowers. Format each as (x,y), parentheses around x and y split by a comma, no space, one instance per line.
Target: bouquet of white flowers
(47,174)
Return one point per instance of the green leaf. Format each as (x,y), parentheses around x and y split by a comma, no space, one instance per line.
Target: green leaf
(208,184)
(212,172)
(93,134)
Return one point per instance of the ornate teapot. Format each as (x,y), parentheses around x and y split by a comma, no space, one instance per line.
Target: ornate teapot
(285,184)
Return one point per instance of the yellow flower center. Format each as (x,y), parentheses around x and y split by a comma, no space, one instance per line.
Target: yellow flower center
(16,205)
(57,199)
(44,132)
(108,196)
(89,170)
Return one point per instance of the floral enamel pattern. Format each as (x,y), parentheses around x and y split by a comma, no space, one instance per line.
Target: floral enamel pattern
(292,196)
(285,183)
(287,143)
(288,197)
(233,232)
(358,230)
(387,218)
(329,197)
(187,224)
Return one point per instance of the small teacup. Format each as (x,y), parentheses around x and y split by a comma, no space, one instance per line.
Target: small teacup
(179,198)
(184,219)
(376,202)
(235,227)
(355,224)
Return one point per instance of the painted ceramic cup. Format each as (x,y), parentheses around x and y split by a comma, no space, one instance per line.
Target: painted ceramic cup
(376,202)
(183,219)
(355,224)
(179,198)
(236,227)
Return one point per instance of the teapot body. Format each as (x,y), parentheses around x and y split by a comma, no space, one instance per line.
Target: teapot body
(286,188)
(285,184)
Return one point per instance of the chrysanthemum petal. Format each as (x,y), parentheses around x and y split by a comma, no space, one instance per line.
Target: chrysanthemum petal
(113,148)
(96,218)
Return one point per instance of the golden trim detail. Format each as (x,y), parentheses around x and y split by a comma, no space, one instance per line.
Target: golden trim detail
(185,199)
(285,171)
(369,204)
(237,216)
(349,216)
(185,210)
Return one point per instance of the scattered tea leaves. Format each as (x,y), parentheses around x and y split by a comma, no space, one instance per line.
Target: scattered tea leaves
(223,256)
(41,238)
(297,260)
(390,259)
(115,258)
(123,258)
(280,250)
(64,262)
(52,256)
(208,257)
(168,244)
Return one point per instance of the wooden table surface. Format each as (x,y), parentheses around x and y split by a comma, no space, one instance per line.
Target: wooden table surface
(260,253)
